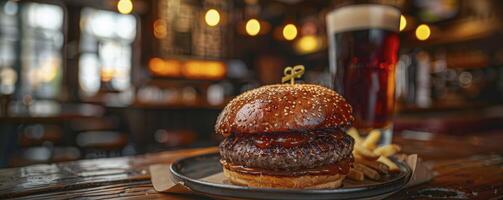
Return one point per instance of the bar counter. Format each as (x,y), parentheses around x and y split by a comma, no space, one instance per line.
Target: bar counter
(468,166)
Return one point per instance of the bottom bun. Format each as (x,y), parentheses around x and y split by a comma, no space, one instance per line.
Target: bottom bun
(265,181)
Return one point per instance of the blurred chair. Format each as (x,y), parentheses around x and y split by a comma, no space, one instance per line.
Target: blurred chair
(174,138)
(36,142)
(100,137)
(97,144)
(37,134)
(95,124)
(61,154)
(30,156)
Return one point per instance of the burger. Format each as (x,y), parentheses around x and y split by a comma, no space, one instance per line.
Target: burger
(286,136)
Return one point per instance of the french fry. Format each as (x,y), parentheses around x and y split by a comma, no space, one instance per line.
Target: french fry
(355,175)
(370,160)
(371,141)
(368,172)
(365,153)
(387,150)
(354,134)
(391,165)
(380,167)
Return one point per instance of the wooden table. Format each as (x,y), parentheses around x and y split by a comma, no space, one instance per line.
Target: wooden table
(466,167)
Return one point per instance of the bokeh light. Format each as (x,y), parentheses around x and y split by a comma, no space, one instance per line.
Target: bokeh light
(290,32)
(403,22)
(204,69)
(423,32)
(212,17)
(125,6)
(10,8)
(162,67)
(160,29)
(252,27)
(307,44)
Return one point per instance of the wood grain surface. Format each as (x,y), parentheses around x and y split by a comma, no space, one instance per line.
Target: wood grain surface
(465,167)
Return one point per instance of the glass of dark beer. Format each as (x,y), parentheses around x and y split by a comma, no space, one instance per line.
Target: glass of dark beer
(364,42)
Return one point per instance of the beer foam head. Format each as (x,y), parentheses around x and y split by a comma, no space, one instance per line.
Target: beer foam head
(365,16)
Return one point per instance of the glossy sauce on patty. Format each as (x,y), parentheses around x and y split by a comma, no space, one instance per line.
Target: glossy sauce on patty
(288,140)
(284,140)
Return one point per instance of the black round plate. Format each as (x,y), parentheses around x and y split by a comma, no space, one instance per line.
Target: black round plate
(191,170)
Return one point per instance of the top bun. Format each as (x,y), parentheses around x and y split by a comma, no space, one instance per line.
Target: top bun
(284,108)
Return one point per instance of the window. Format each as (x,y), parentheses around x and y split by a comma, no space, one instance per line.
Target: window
(106,50)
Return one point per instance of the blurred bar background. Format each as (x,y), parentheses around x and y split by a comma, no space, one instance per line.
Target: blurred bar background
(105,78)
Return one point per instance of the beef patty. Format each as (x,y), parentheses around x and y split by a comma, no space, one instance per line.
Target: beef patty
(318,150)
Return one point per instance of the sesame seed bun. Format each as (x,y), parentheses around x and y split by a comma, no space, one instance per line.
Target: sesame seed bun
(284,108)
